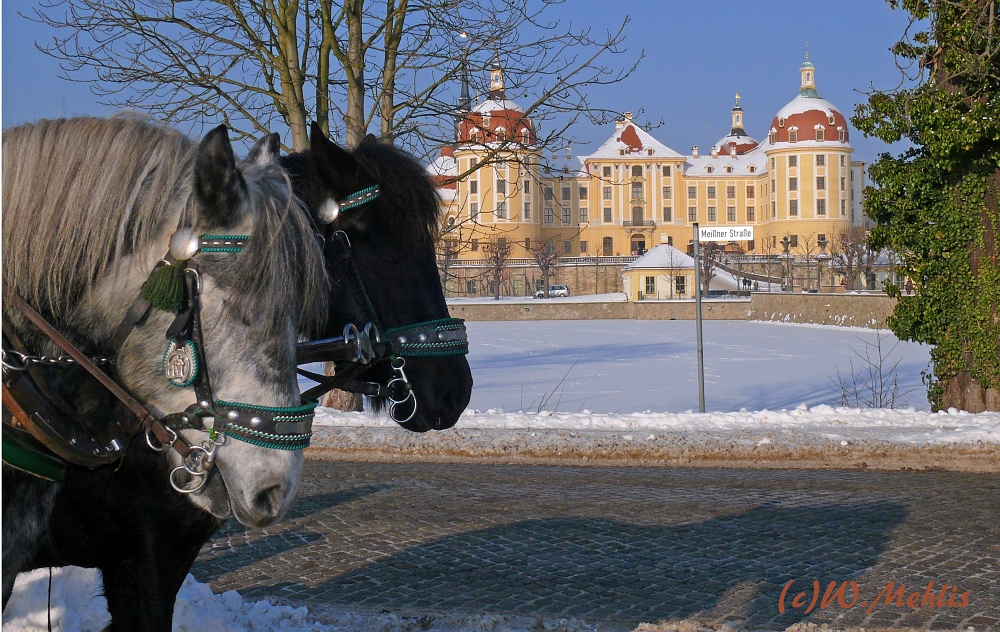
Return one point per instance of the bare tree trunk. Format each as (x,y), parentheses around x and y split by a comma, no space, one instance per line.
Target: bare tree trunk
(354,66)
(338,399)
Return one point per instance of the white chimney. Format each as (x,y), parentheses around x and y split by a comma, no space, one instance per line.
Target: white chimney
(694,151)
(732,149)
(715,151)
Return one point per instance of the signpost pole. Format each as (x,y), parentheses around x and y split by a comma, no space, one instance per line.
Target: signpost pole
(697,319)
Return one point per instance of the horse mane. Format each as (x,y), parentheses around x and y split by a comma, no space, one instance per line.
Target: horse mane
(404,183)
(82,193)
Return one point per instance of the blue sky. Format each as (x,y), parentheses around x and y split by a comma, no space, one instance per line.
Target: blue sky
(698,55)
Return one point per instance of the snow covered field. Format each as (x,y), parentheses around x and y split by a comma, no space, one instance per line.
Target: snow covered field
(629,366)
(634,378)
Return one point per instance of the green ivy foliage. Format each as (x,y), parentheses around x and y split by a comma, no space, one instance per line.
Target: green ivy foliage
(935,203)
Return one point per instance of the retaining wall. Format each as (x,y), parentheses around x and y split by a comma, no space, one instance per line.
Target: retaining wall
(847,310)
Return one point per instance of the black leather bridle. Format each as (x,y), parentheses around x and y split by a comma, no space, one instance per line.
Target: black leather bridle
(357,350)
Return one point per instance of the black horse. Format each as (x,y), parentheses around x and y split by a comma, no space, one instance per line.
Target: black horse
(391,235)
(143,536)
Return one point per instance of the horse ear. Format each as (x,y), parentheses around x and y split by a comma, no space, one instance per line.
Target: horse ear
(265,151)
(330,159)
(218,184)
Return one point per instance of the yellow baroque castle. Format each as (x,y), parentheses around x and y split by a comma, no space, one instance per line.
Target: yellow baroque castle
(634,192)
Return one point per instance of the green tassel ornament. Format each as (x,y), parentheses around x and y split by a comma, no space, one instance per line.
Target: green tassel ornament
(164,289)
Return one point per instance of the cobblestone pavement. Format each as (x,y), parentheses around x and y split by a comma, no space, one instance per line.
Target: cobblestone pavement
(620,545)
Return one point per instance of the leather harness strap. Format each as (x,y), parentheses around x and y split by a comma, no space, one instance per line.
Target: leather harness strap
(163,434)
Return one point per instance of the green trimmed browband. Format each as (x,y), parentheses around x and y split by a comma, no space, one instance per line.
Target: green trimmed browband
(359,198)
(222,243)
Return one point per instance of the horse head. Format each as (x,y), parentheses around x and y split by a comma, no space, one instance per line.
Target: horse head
(380,201)
(236,275)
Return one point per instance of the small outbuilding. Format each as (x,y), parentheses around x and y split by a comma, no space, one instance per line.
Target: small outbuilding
(664,273)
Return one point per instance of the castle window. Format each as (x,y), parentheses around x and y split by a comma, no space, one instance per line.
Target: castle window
(752,169)
(820,160)
(793,161)
(821,207)
(711,192)
(843,184)
(566,216)
(709,169)
(473,210)
(843,135)
(527,186)
(527,243)
(843,208)
(583,246)
(692,193)
(821,183)
(607,193)
(729,168)
(666,171)
(750,191)
(582,193)
(832,120)
(607,216)
(750,213)
(584,217)
(711,214)
(502,187)
(525,136)
(567,195)
(636,190)
(548,216)
(692,214)
(636,171)
(820,134)
(730,191)
(501,211)
(608,246)
(567,247)
(781,122)
(794,241)
(667,193)
(621,152)
(793,184)
(772,136)
(649,152)
(793,208)
(607,172)
(731,214)
(668,214)
(793,136)
(527,211)
(475,244)
(548,193)
(841,161)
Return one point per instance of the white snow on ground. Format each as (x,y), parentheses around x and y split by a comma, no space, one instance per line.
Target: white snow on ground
(590,375)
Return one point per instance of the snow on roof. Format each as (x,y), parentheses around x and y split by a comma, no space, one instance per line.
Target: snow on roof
(801,104)
(741,164)
(661,257)
(561,166)
(741,140)
(492,105)
(443,166)
(635,141)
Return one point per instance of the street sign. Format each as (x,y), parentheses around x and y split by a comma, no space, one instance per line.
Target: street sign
(725,233)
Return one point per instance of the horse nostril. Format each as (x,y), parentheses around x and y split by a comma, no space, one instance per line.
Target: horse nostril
(268,502)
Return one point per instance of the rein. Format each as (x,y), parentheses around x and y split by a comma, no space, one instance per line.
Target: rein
(353,353)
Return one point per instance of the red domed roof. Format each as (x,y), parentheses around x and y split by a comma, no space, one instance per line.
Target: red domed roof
(807,115)
(494,125)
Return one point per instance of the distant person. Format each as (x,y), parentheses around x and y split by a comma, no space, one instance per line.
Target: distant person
(909,287)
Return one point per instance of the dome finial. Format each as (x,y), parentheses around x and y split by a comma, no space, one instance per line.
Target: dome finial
(737,99)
